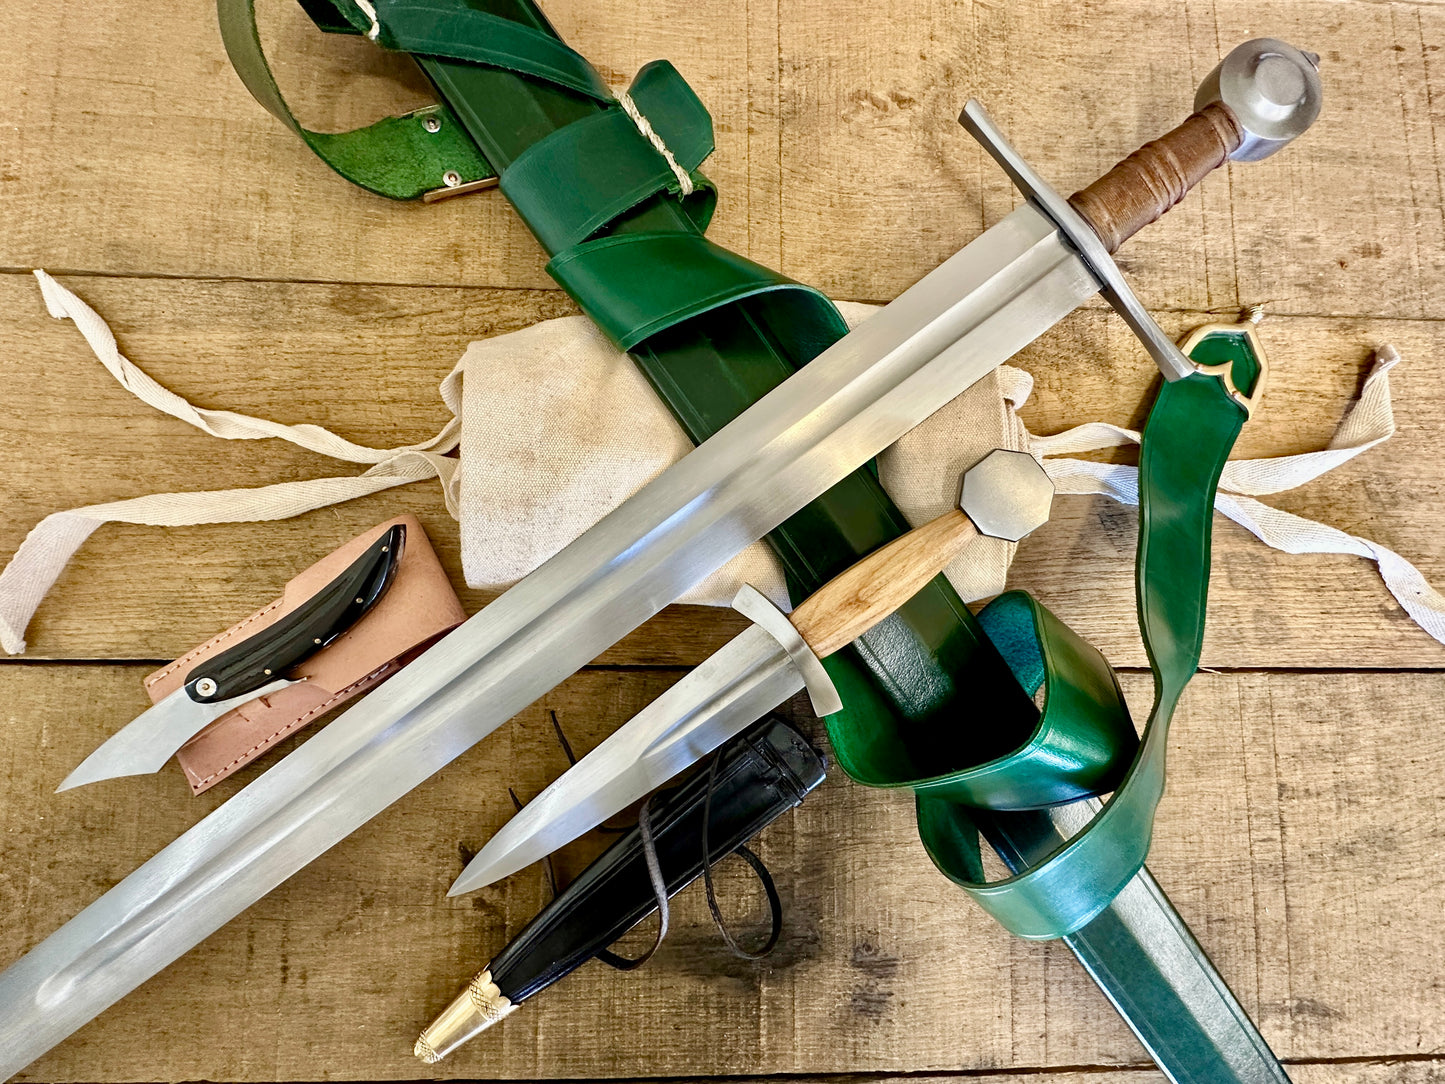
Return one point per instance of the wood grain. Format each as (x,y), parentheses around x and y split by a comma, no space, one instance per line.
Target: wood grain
(1298,838)
(839,159)
(330,353)
(240,272)
(1347,220)
(126,119)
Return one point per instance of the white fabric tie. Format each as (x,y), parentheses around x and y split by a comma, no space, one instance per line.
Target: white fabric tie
(539,465)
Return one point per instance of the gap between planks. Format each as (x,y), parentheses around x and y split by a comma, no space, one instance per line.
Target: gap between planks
(1095,303)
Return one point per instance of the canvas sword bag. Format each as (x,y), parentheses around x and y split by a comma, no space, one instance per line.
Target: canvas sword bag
(553,426)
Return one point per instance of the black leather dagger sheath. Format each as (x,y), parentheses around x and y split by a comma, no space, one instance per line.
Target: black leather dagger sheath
(759,776)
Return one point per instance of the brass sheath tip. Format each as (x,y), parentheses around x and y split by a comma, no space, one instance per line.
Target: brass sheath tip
(472,1011)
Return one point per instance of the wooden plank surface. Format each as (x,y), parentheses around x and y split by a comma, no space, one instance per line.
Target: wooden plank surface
(329,353)
(1314,883)
(241,273)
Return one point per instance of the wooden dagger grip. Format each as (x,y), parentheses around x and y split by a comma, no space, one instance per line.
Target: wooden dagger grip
(852,602)
(1158,175)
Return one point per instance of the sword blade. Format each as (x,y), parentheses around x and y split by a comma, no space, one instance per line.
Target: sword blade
(1144,958)
(721,697)
(951,328)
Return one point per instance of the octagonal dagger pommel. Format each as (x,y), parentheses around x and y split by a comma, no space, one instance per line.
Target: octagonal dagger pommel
(1006,494)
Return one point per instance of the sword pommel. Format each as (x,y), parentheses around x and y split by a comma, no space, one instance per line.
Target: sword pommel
(1258,98)
(1273,90)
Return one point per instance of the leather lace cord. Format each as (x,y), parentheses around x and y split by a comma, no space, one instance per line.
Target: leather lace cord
(659,882)
(775,905)
(659,888)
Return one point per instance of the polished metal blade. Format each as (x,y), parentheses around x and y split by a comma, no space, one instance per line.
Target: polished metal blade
(145,743)
(860,395)
(1148,964)
(721,697)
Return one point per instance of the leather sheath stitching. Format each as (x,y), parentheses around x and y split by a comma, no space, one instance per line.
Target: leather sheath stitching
(294,724)
(220,638)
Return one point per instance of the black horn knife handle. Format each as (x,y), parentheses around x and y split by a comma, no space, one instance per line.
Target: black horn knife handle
(303,632)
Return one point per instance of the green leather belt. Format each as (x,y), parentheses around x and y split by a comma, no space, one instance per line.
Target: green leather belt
(929,701)
(1190,432)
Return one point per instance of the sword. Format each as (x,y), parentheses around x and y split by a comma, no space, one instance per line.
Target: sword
(956,324)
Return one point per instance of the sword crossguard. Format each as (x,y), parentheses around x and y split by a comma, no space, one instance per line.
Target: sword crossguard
(1261,96)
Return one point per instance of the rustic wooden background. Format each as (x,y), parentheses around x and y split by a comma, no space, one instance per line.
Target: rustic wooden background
(1301,836)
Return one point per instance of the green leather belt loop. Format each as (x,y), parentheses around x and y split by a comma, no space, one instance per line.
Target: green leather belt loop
(615,280)
(444,28)
(576,180)
(397,157)
(1191,430)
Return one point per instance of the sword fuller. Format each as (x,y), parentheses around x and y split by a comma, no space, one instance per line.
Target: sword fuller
(955,325)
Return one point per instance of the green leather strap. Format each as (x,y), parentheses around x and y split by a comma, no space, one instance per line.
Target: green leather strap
(614,279)
(582,176)
(569,186)
(444,28)
(398,157)
(1084,741)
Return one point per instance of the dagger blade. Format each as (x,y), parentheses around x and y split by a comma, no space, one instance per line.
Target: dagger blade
(725,694)
(865,391)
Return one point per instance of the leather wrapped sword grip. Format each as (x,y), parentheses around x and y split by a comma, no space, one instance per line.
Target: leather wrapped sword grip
(1158,175)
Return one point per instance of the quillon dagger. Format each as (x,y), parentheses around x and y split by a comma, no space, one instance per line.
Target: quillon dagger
(957,323)
(1005,495)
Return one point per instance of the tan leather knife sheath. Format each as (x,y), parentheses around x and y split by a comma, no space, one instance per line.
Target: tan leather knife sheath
(419,606)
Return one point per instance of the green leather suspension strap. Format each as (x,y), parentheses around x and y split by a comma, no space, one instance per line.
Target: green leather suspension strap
(398,157)
(568,187)
(1191,430)
(578,179)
